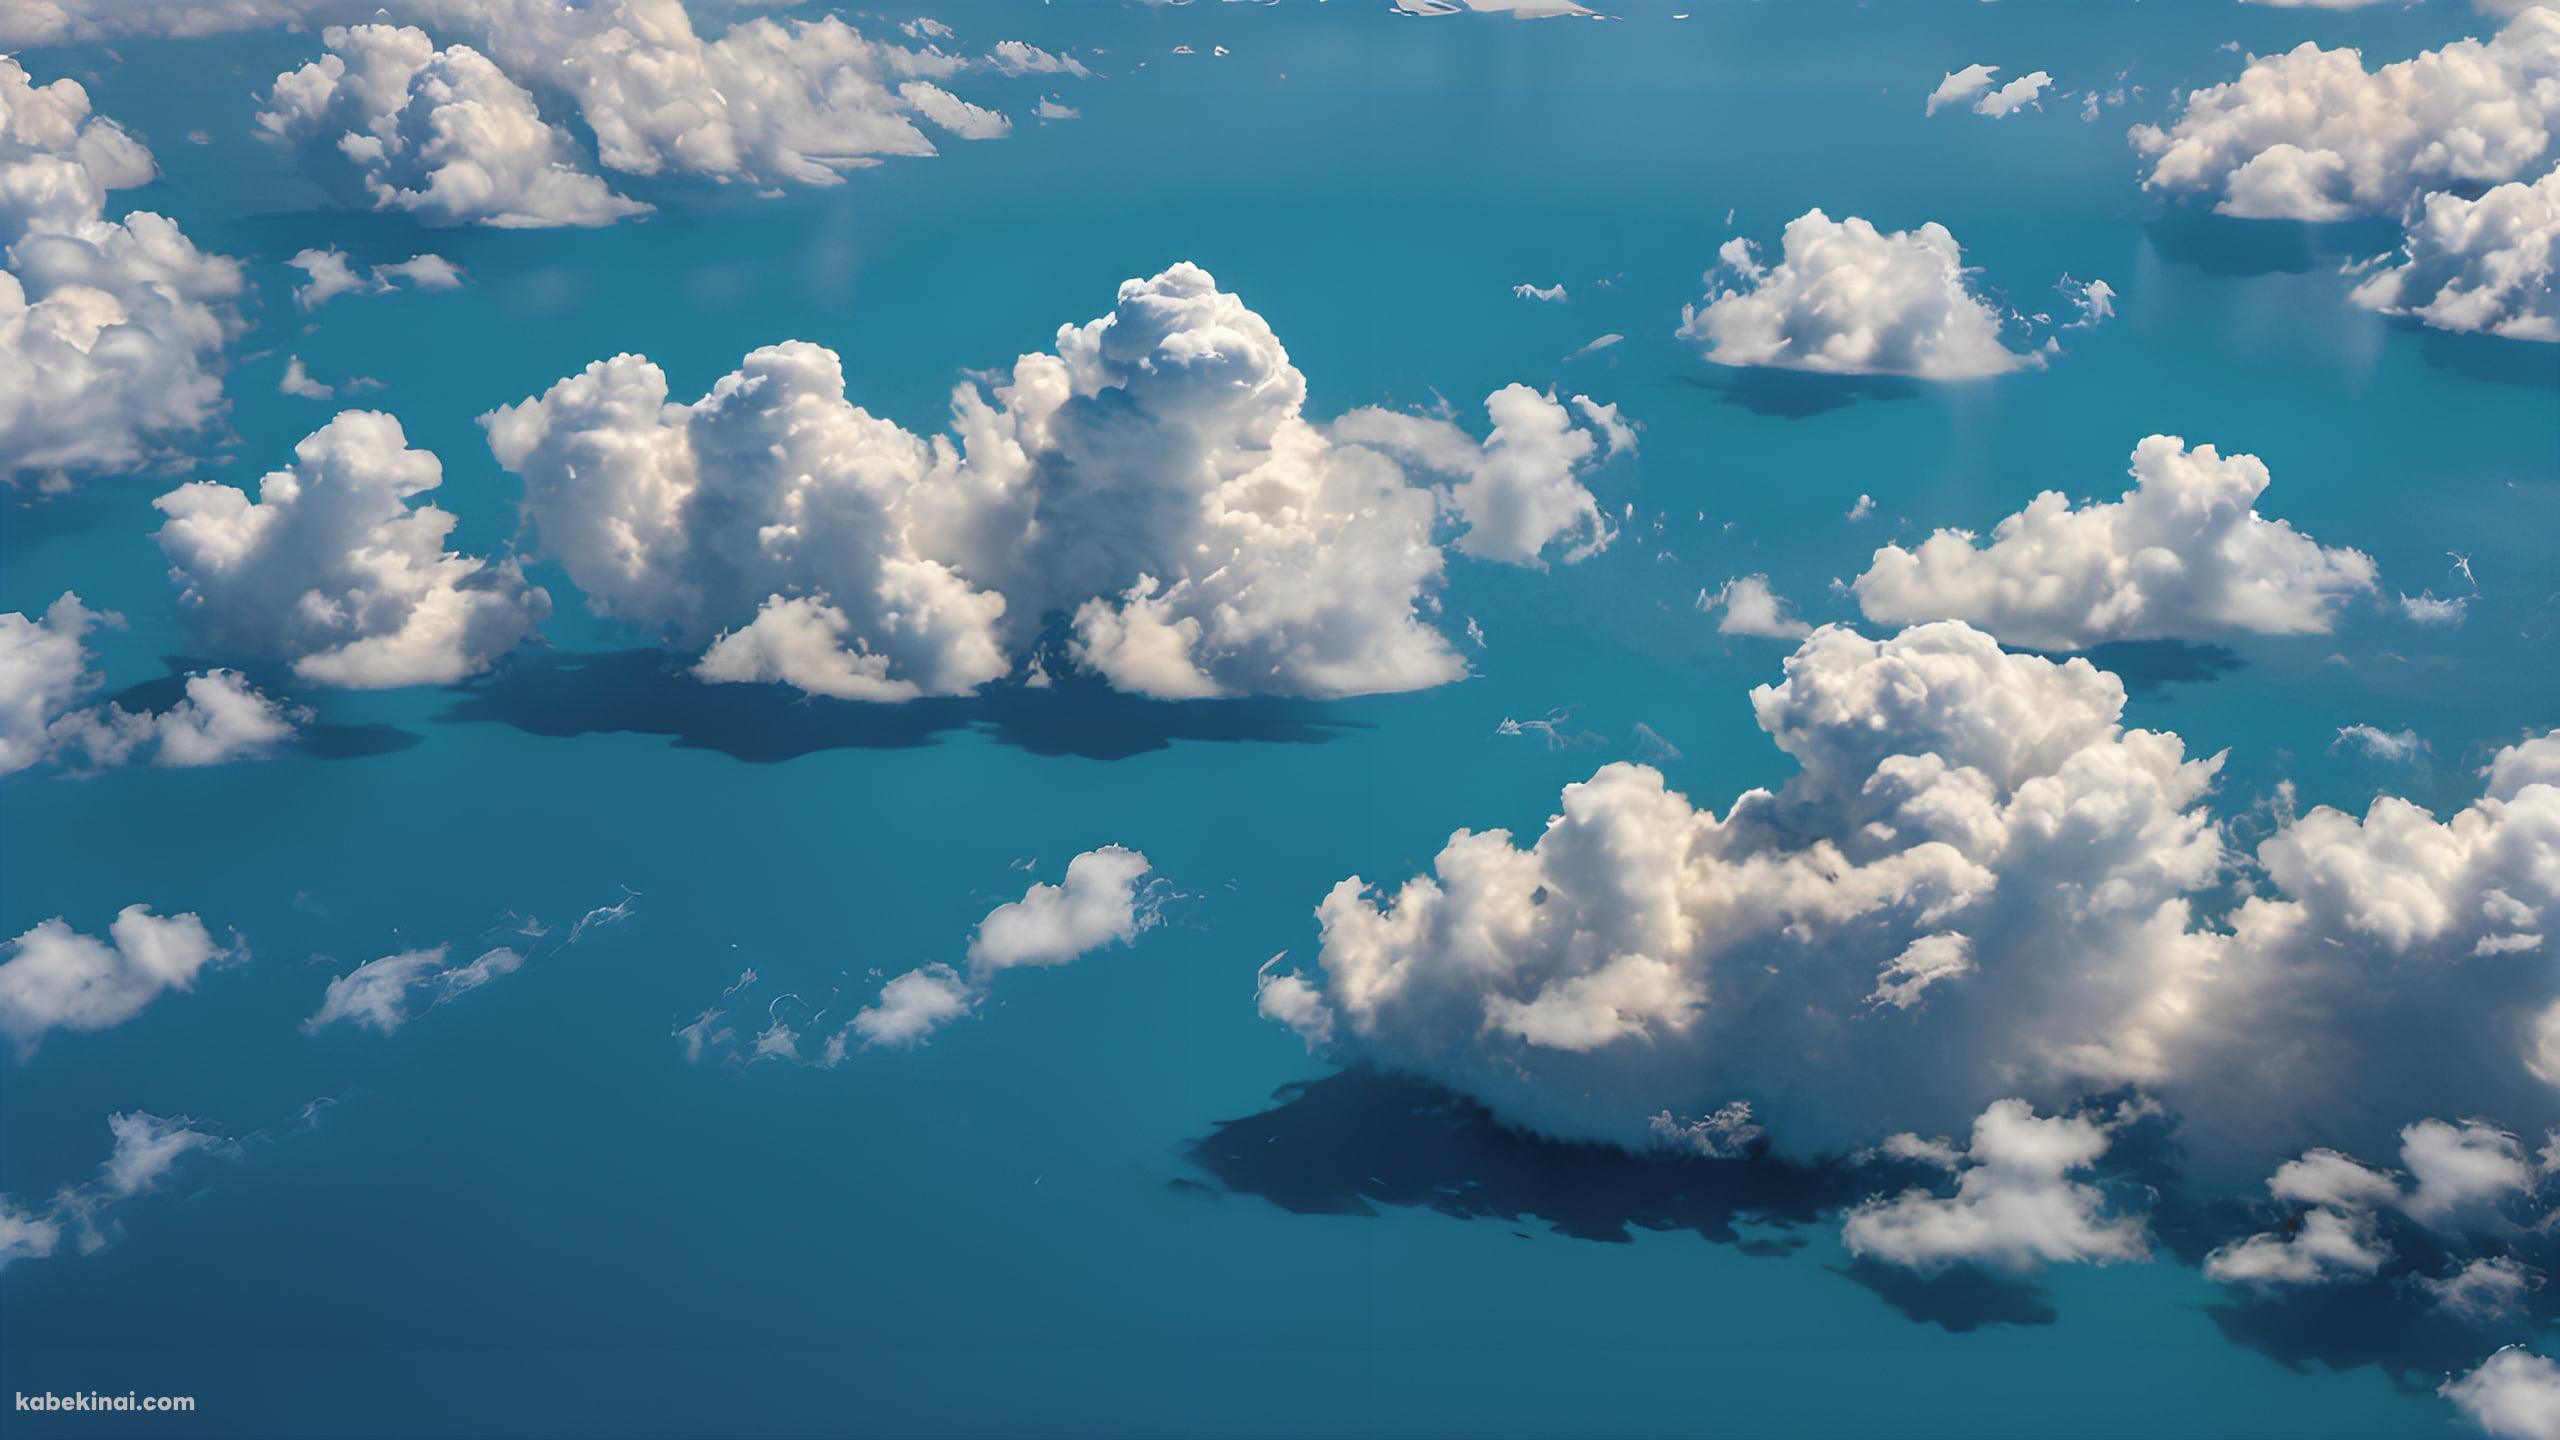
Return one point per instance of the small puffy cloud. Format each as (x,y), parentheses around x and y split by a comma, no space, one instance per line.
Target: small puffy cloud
(1153,479)
(1552,294)
(1052,108)
(1016,57)
(442,134)
(44,671)
(1848,299)
(2484,265)
(1098,904)
(2487,1291)
(2426,609)
(383,995)
(2396,746)
(2456,1173)
(1972,86)
(2311,134)
(2018,94)
(967,121)
(1104,900)
(335,570)
(2014,1207)
(56,978)
(146,1149)
(111,331)
(332,275)
(2514,1395)
(298,383)
(1959,87)
(1751,608)
(2184,555)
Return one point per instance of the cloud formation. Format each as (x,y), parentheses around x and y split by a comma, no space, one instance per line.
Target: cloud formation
(2484,266)
(2334,1232)
(44,672)
(2184,555)
(2312,135)
(333,275)
(56,978)
(2015,1206)
(111,331)
(442,134)
(383,995)
(146,1149)
(333,569)
(1644,956)
(2513,1395)
(1846,298)
(1972,86)
(1151,486)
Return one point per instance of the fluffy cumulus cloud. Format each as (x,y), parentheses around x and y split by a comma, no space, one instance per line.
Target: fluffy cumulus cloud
(332,275)
(29,23)
(1972,86)
(383,995)
(1846,298)
(56,978)
(2514,1395)
(1150,488)
(2184,555)
(334,569)
(44,673)
(442,134)
(2311,134)
(2333,1231)
(1105,899)
(1978,886)
(2014,1205)
(2483,265)
(111,331)
(1752,608)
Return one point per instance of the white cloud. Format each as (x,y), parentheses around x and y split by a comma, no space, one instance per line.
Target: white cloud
(1752,608)
(1103,901)
(967,121)
(1846,298)
(2482,265)
(1015,57)
(56,978)
(2015,1206)
(111,331)
(2184,555)
(333,569)
(383,995)
(1972,85)
(1644,954)
(1551,294)
(1153,479)
(1960,87)
(2485,1291)
(2393,745)
(2426,609)
(2312,135)
(442,134)
(298,383)
(2457,1175)
(44,672)
(2018,94)
(2514,1395)
(332,275)
(146,1149)
(1052,108)
(25,24)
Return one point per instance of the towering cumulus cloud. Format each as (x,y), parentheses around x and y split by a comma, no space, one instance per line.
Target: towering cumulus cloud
(1979,886)
(443,134)
(2490,265)
(110,330)
(333,569)
(1151,487)
(1850,299)
(2183,555)
(2312,135)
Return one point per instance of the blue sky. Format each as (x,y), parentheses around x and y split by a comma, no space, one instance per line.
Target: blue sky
(1280,719)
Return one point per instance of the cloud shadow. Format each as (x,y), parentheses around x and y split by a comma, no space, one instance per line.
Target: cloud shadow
(1960,1299)
(2233,249)
(2149,667)
(1796,394)
(2494,359)
(649,692)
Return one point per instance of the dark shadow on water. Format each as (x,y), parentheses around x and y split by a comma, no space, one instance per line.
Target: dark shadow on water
(2527,364)
(1353,1141)
(2148,667)
(2331,1328)
(1961,1299)
(649,692)
(355,742)
(2221,246)
(1796,394)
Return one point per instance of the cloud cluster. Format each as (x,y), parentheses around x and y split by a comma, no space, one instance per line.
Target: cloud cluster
(2485,266)
(1972,86)
(1979,886)
(44,672)
(1104,900)
(442,134)
(2312,135)
(2184,555)
(56,978)
(333,569)
(2455,1173)
(1151,489)
(2014,1207)
(146,1149)
(111,331)
(1848,299)
(333,275)
(383,995)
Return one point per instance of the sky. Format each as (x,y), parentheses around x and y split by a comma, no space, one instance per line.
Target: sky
(1315,718)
